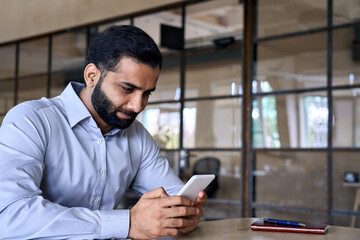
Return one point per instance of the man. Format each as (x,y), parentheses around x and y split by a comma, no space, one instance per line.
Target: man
(66,162)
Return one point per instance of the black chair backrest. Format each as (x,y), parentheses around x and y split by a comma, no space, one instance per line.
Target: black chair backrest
(208,165)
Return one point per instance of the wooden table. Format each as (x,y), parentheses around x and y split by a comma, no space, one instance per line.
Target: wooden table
(239,228)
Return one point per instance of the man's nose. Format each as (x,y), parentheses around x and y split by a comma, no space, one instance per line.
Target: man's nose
(137,104)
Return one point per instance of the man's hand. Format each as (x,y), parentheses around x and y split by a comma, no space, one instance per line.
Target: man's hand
(156,215)
(199,202)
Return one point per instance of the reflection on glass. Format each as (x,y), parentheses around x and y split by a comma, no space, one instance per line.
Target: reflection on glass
(33,57)
(346,117)
(163,122)
(228,182)
(6,96)
(212,20)
(214,73)
(343,194)
(346,11)
(212,123)
(316,121)
(297,178)
(7,59)
(265,127)
(287,64)
(151,23)
(346,69)
(168,85)
(293,120)
(33,87)
(278,17)
(117,23)
(69,51)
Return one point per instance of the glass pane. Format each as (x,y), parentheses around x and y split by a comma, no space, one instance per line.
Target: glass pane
(291,63)
(31,50)
(217,22)
(6,96)
(344,193)
(151,24)
(278,17)
(33,87)
(117,23)
(297,178)
(168,85)
(346,11)
(293,120)
(69,51)
(60,80)
(163,123)
(346,117)
(7,59)
(346,61)
(225,187)
(214,73)
(205,124)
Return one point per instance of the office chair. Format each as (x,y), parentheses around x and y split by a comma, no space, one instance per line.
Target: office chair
(208,165)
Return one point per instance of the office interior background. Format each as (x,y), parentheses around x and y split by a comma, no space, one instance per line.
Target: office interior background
(268,88)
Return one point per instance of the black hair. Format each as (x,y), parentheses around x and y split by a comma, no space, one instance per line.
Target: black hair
(108,47)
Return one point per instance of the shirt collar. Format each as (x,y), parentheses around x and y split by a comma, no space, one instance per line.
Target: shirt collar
(75,109)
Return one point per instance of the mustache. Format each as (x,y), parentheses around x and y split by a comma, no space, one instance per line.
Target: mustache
(126,112)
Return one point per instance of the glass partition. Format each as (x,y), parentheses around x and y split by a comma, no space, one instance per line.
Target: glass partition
(346,64)
(162,121)
(217,22)
(291,179)
(291,63)
(213,123)
(291,120)
(214,73)
(33,56)
(279,17)
(346,11)
(346,118)
(7,59)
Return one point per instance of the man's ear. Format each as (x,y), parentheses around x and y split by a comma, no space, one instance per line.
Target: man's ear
(91,75)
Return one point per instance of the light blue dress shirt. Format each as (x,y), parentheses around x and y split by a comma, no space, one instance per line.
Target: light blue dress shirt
(60,177)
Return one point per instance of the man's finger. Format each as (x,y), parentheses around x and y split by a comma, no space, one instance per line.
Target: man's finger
(175,201)
(156,193)
(178,222)
(181,211)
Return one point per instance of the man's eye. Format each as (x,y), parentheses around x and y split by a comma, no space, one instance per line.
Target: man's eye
(126,88)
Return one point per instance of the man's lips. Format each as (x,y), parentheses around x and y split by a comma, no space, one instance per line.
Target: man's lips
(123,115)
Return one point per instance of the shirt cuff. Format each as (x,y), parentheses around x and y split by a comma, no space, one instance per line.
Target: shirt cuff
(115,223)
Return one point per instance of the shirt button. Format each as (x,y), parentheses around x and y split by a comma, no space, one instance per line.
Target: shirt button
(99,141)
(96,201)
(102,171)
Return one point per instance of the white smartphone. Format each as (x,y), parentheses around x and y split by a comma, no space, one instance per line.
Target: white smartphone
(196,184)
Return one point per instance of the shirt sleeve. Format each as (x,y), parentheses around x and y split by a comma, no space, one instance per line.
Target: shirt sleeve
(24,212)
(154,170)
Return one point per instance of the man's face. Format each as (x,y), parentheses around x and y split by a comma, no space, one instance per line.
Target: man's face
(121,95)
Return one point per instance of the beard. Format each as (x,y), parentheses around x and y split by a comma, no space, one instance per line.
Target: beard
(107,111)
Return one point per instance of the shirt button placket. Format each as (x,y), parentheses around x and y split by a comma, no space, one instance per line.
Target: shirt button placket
(101,181)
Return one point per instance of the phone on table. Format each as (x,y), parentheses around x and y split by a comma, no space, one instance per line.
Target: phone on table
(195,184)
